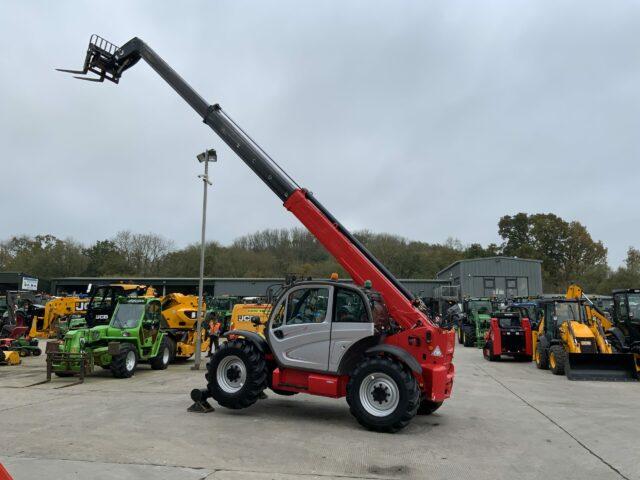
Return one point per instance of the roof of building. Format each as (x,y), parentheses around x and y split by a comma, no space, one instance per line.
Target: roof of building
(480,259)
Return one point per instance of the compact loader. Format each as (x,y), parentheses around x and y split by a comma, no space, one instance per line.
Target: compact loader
(570,342)
(387,356)
(180,315)
(509,334)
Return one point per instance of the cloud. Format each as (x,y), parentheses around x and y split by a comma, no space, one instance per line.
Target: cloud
(425,119)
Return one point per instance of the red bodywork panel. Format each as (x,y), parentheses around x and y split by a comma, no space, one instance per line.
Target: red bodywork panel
(437,370)
(322,384)
(495,335)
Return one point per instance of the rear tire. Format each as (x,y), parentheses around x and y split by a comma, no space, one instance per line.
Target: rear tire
(63,374)
(382,395)
(37,352)
(123,365)
(557,359)
(162,359)
(541,357)
(460,334)
(469,337)
(237,374)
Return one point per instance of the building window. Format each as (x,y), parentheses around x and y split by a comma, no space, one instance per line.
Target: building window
(512,287)
(489,286)
(523,287)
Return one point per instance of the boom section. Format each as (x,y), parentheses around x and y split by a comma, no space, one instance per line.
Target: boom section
(109,62)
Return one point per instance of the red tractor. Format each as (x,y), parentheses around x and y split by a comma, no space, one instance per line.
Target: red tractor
(508,334)
(372,343)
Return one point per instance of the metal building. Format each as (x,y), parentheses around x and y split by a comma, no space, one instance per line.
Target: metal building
(21,281)
(505,277)
(245,287)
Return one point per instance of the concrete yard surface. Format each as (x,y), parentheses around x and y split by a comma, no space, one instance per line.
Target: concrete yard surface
(505,420)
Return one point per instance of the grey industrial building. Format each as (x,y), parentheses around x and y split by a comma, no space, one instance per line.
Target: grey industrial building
(245,287)
(505,277)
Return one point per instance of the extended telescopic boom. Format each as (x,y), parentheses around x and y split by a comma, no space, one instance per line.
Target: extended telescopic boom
(109,62)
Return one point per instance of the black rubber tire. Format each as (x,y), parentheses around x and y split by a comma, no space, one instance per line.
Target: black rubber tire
(617,340)
(542,358)
(560,356)
(460,334)
(409,395)
(486,352)
(256,374)
(427,407)
(63,374)
(119,364)
(37,352)
(3,358)
(157,362)
(173,348)
(469,336)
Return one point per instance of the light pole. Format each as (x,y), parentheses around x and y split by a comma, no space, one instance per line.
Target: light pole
(205,157)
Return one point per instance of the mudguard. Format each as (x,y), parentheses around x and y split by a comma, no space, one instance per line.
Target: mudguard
(255,338)
(397,352)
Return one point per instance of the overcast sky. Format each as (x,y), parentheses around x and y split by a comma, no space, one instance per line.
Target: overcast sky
(423,119)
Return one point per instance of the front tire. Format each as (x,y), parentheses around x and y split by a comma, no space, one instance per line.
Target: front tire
(382,395)
(123,365)
(557,359)
(162,359)
(487,352)
(237,374)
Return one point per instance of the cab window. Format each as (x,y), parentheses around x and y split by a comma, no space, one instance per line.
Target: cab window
(307,305)
(349,307)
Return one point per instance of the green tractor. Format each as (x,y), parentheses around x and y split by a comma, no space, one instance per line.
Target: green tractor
(132,336)
(474,320)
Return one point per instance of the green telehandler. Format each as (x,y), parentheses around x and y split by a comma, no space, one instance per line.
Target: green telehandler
(132,336)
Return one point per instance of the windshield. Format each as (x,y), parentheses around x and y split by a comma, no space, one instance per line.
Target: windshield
(567,311)
(481,306)
(634,306)
(127,315)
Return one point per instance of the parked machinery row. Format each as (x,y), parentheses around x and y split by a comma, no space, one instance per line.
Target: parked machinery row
(567,334)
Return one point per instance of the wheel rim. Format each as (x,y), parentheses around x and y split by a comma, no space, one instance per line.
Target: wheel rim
(231,374)
(552,360)
(130,360)
(165,355)
(379,394)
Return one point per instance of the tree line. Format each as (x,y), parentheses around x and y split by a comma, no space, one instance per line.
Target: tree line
(567,250)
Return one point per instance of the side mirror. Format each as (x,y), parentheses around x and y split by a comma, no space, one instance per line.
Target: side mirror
(256,321)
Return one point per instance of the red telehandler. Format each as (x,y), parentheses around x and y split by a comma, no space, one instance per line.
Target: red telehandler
(373,343)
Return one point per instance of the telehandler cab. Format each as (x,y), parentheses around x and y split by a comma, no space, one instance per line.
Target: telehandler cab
(385,355)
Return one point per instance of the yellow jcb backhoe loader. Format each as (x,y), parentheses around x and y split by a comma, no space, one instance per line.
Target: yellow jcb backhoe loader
(572,342)
(56,310)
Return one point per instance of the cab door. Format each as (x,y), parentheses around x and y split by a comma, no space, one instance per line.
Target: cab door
(300,331)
